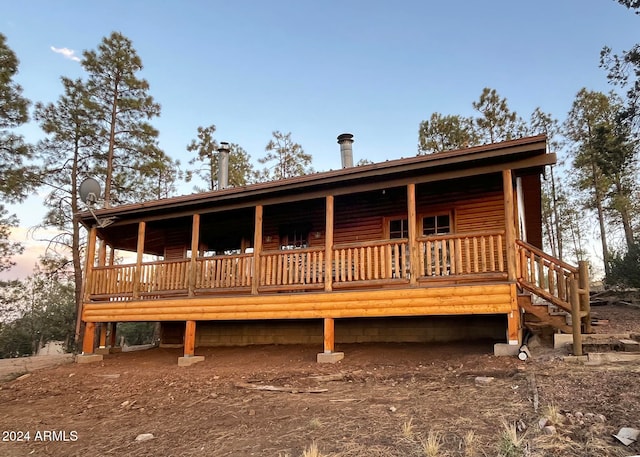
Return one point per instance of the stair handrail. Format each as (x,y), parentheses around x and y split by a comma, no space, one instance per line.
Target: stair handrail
(563,285)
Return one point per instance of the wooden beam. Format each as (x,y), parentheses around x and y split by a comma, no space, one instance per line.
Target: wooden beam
(112,255)
(190,338)
(257,249)
(90,260)
(103,335)
(328,243)
(413,234)
(140,252)
(195,242)
(329,335)
(86,283)
(514,324)
(113,327)
(510,224)
(102,253)
(88,338)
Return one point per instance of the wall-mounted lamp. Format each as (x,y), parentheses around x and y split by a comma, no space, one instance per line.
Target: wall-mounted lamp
(316,235)
(267,239)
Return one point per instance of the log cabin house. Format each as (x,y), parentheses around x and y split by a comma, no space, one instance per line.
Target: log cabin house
(438,247)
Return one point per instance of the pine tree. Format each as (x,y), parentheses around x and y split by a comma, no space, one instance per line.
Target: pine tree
(589,110)
(241,171)
(68,155)
(496,122)
(288,158)
(132,156)
(446,132)
(17,178)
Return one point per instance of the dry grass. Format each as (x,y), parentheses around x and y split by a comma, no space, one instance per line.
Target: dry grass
(315,423)
(509,443)
(408,429)
(431,446)
(552,412)
(312,451)
(470,444)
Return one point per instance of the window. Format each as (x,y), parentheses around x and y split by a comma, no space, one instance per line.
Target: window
(294,238)
(398,228)
(438,224)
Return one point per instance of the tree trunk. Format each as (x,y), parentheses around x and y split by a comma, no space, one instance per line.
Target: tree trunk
(112,144)
(601,221)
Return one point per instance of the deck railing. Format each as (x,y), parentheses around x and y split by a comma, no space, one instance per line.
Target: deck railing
(368,264)
(371,261)
(112,281)
(223,271)
(164,276)
(461,254)
(295,267)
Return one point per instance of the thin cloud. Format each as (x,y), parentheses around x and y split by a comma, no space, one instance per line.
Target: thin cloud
(67,53)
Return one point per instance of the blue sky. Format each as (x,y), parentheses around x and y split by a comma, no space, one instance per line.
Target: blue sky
(318,69)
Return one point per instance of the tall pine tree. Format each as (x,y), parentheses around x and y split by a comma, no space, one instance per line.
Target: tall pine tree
(130,158)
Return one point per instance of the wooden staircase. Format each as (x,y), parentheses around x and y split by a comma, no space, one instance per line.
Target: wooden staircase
(541,314)
(562,288)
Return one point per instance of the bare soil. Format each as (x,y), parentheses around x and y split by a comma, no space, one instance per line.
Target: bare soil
(381,400)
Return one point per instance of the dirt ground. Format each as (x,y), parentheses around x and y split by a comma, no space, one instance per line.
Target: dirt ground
(381,400)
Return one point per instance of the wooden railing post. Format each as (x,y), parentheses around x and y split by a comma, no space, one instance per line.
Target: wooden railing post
(328,244)
(140,251)
(257,250)
(195,242)
(510,224)
(413,234)
(576,321)
(585,300)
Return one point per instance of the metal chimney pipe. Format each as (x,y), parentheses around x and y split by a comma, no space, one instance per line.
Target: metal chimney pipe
(346,150)
(223,165)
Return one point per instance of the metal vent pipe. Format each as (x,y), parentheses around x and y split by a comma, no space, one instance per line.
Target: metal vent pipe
(346,149)
(223,166)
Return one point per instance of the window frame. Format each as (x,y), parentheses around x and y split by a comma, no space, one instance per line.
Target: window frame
(436,214)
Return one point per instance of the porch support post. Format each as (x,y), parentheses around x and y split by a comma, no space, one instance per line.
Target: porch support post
(514,327)
(89,337)
(585,305)
(328,248)
(86,283)
(413,234)
(88,355)
(189,357)
(510,224)
(257,250)
(329,356)
(329,334)
(102,254)
(140,252)
(91,253)
(102,339)
(103,335)
(195,242)
(112,255)
(113,344)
